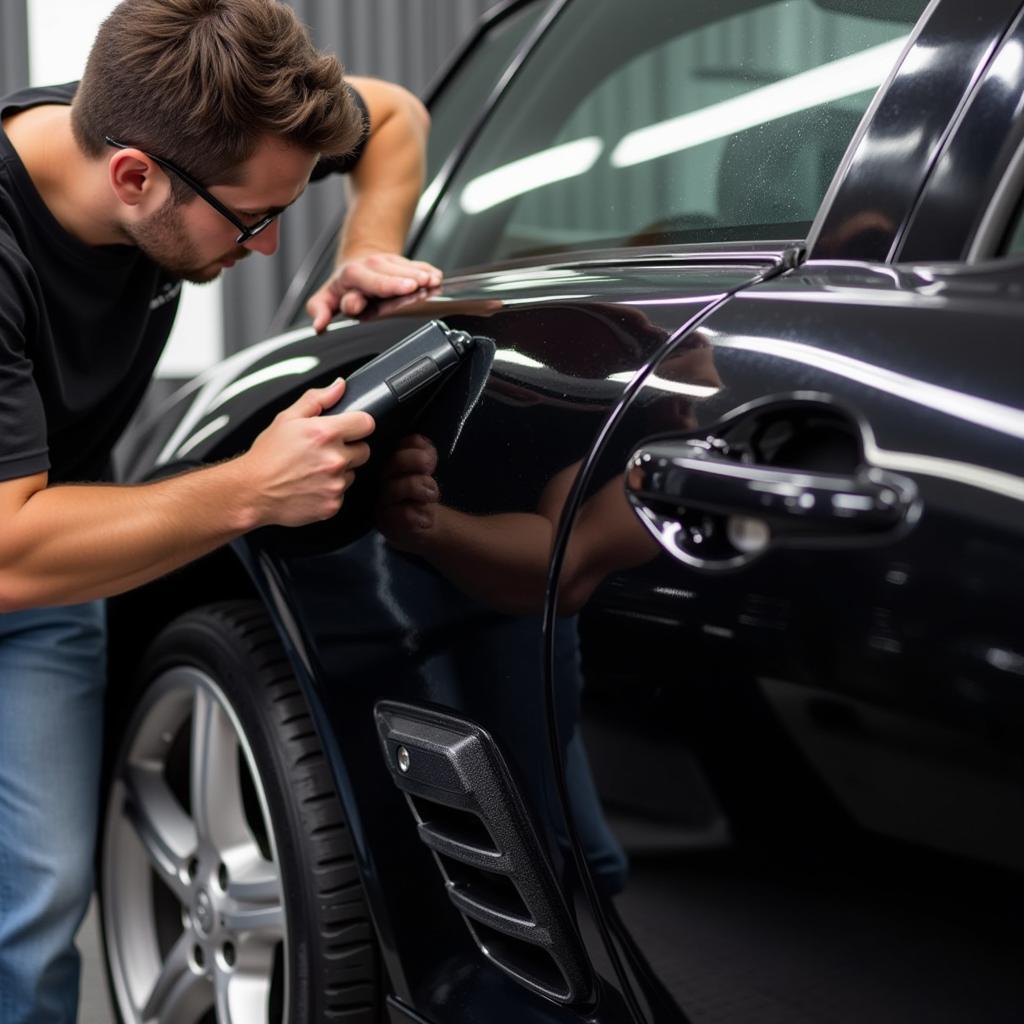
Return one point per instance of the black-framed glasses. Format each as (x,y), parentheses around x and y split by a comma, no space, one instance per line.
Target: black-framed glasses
(246,232)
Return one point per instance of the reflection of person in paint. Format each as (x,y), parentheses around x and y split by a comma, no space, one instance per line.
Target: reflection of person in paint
(502,560)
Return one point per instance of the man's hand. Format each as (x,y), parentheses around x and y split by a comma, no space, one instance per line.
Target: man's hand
(374,276)
(409,497)
(302,464)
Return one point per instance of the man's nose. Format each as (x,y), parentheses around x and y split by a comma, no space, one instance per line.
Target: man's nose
(267,240)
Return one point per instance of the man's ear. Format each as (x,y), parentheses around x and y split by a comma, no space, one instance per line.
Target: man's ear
(136,179)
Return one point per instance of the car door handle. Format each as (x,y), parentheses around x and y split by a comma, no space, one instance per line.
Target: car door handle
(689,488)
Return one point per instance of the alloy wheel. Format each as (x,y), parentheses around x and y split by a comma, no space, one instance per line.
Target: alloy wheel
(193,905)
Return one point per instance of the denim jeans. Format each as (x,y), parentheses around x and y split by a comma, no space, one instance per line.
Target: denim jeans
(52,675)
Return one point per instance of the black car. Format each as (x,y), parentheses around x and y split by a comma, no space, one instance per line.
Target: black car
(695,690)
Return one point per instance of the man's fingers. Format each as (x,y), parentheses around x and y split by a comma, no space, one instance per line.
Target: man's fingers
(417,441)
(425,274)
(417,489)
(376,276)
(321,307)
(413,461)
(429,275)
(381,284)
(357,455)
(352,303)
(350,426)
(314,401)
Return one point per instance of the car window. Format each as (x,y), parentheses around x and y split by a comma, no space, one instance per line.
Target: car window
(645,123)
(457,106)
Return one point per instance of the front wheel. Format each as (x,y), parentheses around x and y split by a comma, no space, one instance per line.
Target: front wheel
(229,892)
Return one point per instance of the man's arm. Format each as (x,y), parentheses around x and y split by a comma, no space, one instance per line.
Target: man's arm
(384,188)
(64,544)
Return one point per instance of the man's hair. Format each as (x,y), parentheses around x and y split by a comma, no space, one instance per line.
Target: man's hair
(200,82)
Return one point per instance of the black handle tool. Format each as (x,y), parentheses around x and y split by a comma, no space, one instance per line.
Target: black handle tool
(409,368)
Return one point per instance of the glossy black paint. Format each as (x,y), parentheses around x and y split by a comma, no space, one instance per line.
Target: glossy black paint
(884,170)
(476,646)
(810,754)
(884,705)
(975,162)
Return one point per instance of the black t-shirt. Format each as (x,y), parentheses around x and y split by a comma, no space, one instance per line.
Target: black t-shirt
(81,327)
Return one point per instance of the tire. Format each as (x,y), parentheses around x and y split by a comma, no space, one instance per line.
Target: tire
(228,886)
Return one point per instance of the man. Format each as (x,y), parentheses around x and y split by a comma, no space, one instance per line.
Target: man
(197,122)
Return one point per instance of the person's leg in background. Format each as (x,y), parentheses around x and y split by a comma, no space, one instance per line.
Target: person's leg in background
(52,677)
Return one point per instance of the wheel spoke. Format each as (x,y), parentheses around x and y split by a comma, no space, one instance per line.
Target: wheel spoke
(179,995)
(255,902)
(215,784)
(166,832)
(243,996)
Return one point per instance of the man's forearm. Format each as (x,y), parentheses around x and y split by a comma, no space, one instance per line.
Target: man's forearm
(384,188)
(387,181)
(376,222)
(59,545)
(75,543)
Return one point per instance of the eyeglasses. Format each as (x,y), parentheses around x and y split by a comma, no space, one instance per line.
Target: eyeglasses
(247,232)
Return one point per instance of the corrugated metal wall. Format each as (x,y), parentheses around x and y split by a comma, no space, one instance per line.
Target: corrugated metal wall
(13,45)
(405,41)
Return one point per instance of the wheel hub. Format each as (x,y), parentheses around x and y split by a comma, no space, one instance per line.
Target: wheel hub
(204,916)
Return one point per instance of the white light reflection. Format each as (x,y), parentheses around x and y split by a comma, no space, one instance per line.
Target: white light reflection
(530,173)
(544,298)
(507,355)
(1005,661)
(682,300)
(541,282)
(286,368)
(674,387)
(993,480)
(201,435)
(429,197)
(214,380)
(833,81)
(1007,65)
(852,502)
(984,413)
(866,297)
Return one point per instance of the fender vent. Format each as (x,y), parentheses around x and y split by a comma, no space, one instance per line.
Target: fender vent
(470,814)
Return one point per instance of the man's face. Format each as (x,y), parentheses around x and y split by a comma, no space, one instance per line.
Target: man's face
(193,241)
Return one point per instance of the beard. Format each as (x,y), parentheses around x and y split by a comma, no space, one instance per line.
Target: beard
(164,240)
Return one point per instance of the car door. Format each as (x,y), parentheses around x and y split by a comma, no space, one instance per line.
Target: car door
(579,259)
(801,716)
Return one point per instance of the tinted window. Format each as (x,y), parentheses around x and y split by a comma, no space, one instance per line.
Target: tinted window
(649,122)
(458,105)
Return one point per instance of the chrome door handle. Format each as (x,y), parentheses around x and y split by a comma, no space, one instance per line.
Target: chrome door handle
(704,506)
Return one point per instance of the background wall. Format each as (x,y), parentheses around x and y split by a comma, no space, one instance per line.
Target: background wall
(13,45)
(406,41)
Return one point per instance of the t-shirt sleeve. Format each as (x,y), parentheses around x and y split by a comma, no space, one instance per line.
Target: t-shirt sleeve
(343,164)
(23,443)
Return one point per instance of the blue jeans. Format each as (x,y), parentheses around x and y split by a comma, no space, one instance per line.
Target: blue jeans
(52,676)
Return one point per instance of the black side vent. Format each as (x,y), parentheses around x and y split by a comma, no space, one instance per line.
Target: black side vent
(470,814)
